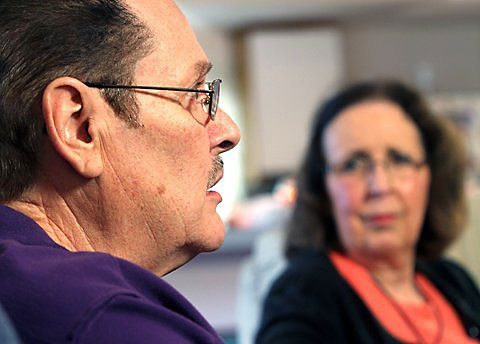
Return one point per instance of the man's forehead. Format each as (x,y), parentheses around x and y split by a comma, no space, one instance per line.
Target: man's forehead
(176,57)
(154,7)
(162,17)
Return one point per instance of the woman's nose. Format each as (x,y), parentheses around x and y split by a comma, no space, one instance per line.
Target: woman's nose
(380,179)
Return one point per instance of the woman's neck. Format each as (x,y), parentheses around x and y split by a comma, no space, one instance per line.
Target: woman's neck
(396,274)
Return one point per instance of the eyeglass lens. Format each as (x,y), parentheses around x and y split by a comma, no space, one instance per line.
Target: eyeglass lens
(214,97)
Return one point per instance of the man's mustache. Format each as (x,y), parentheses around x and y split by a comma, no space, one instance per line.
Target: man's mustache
(217,168)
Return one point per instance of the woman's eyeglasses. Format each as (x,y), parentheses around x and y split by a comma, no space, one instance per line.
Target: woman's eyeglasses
(397,165)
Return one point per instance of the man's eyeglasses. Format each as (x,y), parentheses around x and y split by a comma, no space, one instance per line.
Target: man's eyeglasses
(209,103)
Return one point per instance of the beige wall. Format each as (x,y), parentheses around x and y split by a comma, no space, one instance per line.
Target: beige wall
(411,50)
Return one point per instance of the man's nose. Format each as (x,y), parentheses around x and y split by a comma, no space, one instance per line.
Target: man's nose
(224,133)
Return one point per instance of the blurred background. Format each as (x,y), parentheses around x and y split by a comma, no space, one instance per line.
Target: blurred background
(279,59)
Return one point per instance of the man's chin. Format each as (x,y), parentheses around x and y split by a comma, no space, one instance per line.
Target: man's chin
(217,240)
(215,234)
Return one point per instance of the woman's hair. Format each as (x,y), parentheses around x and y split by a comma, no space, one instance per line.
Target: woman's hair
(312,224)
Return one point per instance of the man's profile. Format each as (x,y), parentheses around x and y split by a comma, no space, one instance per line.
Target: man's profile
(110,141)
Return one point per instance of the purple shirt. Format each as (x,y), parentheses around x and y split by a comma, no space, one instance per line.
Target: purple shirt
(53,295)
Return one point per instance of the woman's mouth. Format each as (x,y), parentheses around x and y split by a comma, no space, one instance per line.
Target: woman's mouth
(380,220)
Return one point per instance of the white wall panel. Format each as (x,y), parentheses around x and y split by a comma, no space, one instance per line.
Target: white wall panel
(289,73)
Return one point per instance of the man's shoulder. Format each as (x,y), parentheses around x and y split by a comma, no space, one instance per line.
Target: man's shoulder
(31,260)
(52,293)
(55,267)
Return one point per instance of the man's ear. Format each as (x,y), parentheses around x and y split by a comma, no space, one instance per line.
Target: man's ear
(69,113)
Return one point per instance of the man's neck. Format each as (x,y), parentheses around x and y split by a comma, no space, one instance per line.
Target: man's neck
(56,218)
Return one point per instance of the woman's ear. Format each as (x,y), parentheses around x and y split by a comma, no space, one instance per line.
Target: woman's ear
(69,113)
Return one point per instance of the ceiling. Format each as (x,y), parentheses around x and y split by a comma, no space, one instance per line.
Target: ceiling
(234,14)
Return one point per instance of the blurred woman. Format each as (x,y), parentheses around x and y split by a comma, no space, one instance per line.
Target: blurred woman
(380,199)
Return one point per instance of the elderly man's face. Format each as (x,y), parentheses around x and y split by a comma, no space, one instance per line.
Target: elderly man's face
(161,173)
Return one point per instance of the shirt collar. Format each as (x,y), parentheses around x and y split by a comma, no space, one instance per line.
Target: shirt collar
(16,226)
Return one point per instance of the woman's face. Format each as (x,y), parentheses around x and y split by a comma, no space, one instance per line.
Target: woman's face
(378,180)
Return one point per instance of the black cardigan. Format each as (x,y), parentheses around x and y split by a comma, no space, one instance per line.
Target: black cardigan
(312,303)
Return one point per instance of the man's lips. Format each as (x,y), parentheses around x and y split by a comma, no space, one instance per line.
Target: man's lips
(214,194)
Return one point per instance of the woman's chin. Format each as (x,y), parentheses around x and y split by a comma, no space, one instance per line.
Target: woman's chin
(389,248)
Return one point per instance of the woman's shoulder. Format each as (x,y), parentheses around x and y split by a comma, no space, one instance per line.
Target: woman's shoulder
(452,280)
(446,269)
(310,301)
(305,272)
(308,262)
(307,288)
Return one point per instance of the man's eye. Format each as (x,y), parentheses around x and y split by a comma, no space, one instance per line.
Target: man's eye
(188,99)
(200,86)
(201,97)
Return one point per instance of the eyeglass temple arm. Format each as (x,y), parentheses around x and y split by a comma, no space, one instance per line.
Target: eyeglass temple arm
(180,89)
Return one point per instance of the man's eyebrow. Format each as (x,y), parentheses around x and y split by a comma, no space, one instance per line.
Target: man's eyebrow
(201,69)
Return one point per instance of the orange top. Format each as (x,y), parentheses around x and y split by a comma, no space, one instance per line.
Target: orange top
(422,315)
